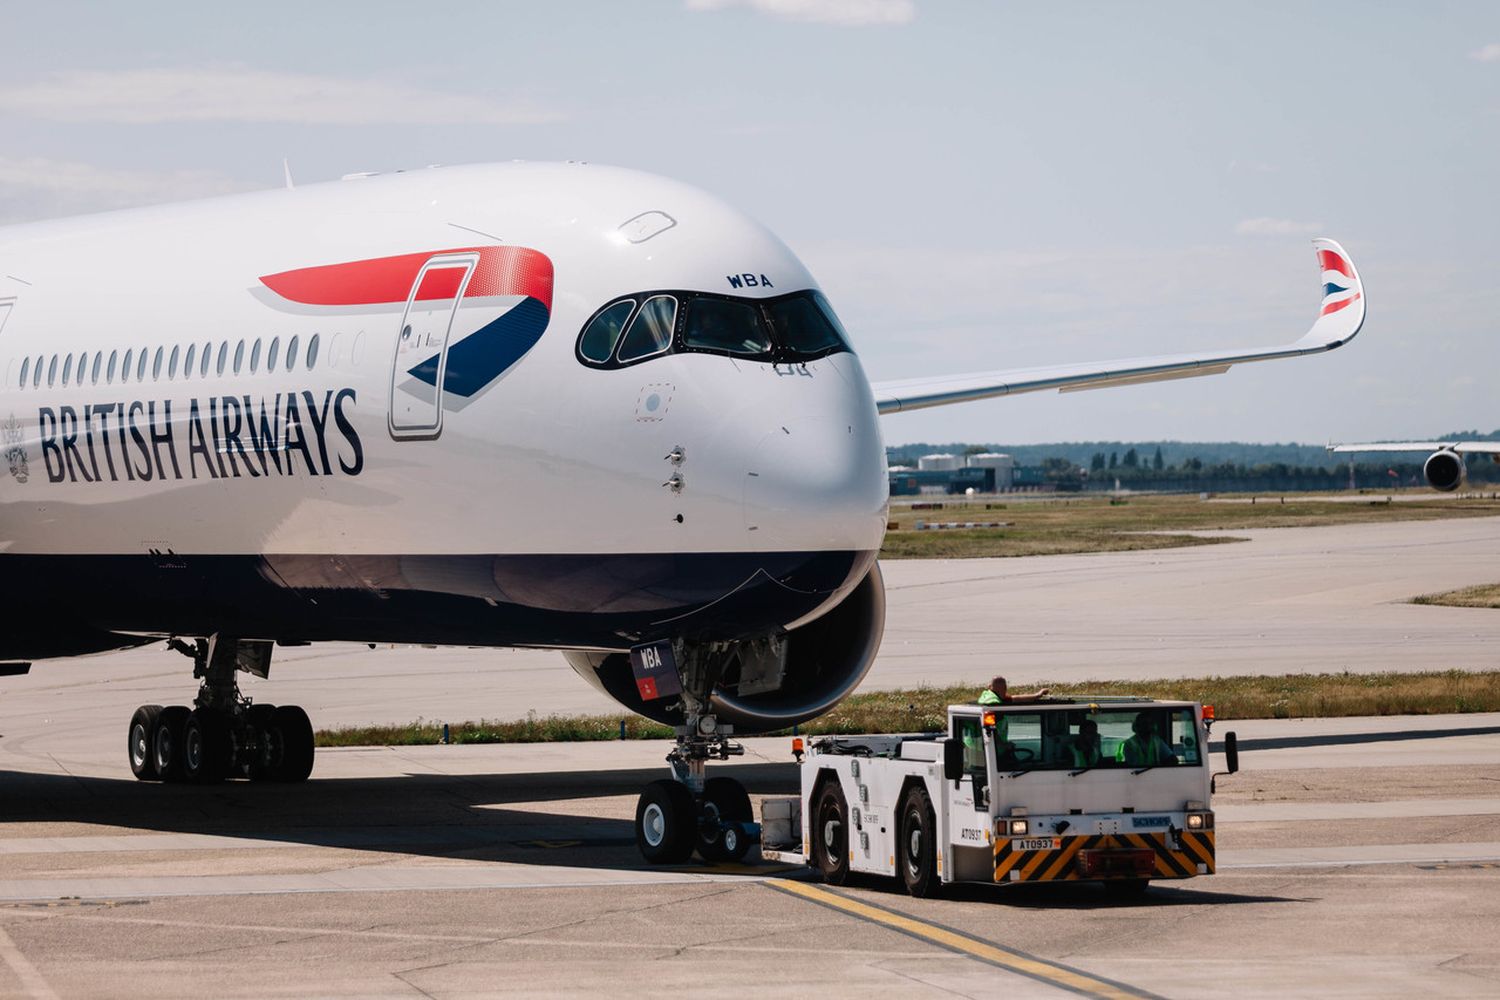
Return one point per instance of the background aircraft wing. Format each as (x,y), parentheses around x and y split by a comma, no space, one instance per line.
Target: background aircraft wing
(1473,447)
(1341,315)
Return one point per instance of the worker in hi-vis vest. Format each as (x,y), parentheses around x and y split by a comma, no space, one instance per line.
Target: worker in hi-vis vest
(1145,748)
(996,694)
(1086,744)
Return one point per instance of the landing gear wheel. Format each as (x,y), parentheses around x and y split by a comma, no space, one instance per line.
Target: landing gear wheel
(1126,888)
(205,747)
(168,742)
(141,742)
(916,842)
(258,718)
(293,733)
(830,830)
(664,823)
(724,801)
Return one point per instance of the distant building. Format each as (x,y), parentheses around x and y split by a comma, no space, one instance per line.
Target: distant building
(1004,466)
(912,482)
(940,463)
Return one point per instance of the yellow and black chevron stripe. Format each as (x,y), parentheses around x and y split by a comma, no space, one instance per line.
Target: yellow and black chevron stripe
(1057,864)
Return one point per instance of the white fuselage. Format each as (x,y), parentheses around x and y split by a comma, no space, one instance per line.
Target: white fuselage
(536,500)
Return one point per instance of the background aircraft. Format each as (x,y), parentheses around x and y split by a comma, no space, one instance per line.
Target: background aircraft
(1444,469)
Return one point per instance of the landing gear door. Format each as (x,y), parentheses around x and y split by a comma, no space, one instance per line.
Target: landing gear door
(421,358)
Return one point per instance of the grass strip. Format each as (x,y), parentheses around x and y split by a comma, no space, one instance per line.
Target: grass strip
(1096,523)
(1486,596)
(1284,696)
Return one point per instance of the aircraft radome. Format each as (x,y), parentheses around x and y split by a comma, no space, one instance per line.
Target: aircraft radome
(537,405)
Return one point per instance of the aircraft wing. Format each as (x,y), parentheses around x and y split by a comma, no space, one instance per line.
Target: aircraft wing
(1467,447)
(1339,318)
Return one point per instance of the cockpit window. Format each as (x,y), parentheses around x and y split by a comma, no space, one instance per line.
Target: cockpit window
(603,332)
(727,325)
(651,332)
(787,329)
(807,324)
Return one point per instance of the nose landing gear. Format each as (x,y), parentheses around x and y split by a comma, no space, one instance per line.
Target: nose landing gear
(223,735)
(688,812)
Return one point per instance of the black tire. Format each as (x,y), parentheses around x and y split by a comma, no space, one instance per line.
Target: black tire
(258,718)
(724,801)
(168,743)
(916,844)
(292,732)
(205,747)
(830,833)
(665,823)
(1126,888)
(140,744)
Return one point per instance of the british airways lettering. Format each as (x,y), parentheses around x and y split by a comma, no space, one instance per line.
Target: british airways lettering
(225,436)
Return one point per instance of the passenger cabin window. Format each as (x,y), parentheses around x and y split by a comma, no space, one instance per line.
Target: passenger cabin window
(187,362)
(239,356)
(140,365)
(114,359)
(208,353)
(52,372)
(223,356)
(25,370)
(291,353)
(271,354)
(125,370)
(787,329)
(312,352)
(98,365)
(67,368)
(156,366)
(255,357)
(172,363)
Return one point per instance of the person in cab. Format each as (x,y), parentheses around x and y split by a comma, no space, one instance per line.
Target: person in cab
(1085,746)
(996,694)
(1145,748)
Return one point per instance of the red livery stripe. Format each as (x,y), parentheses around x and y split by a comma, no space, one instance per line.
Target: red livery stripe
(1334,307)
(384,280)
(1333,262)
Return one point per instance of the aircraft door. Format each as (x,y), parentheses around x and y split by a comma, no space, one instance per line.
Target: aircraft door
(421,357)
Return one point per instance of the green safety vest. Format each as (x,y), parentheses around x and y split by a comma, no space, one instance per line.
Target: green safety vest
(1085,758)
(1146,753)
(988,697)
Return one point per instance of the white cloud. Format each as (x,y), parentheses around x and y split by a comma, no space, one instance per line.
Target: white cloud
(850,13)
(37,188)
(1490,53)
(151,96)
(1276,227)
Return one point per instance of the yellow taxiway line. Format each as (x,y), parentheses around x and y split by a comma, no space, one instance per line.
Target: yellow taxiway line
(1051,973)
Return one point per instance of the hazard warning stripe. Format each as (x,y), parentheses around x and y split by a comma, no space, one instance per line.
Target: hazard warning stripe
(1057,865)
(1200,847)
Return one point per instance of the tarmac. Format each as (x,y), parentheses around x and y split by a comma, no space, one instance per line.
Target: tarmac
(1357,857)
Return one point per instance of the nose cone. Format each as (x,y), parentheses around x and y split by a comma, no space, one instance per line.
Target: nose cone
(816,481)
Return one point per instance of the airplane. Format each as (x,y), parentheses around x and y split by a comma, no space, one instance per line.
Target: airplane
(1444,470)
(546,405)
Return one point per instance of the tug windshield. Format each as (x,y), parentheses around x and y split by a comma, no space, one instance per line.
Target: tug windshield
(1114,738)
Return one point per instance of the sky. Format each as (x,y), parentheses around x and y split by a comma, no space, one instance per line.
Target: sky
(975,185)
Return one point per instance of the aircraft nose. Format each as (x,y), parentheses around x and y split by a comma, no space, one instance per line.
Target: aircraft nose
(818,483)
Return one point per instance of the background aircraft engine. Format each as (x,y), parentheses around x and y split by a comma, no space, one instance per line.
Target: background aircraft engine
(1445,471)
(767,686)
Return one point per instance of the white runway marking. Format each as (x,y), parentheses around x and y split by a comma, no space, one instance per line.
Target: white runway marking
(32,981)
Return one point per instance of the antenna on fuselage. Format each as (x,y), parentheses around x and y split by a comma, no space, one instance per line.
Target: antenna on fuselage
(286,170)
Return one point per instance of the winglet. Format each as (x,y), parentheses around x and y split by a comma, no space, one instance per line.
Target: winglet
(1343,309)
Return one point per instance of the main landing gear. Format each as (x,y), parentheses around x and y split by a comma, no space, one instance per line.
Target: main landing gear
(685,813)
(223,735)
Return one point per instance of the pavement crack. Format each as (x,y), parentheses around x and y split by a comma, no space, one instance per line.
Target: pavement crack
(923,982)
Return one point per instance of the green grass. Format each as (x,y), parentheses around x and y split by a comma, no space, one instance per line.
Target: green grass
(1285,696)
(1101,524)
(1486,596)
